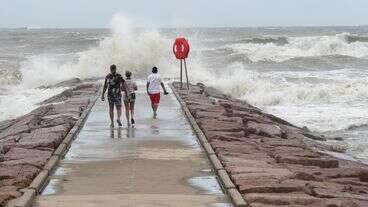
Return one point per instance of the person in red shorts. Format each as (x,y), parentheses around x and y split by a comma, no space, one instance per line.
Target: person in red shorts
(154,84)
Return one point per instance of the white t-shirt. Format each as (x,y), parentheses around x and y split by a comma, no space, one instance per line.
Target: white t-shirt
(154,83)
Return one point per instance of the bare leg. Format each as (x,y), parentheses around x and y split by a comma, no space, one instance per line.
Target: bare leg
(118,109)
(155,107)
(111,112)
(132,109)
(126,104)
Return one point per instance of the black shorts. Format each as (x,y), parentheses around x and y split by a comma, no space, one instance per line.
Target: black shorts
(114,99)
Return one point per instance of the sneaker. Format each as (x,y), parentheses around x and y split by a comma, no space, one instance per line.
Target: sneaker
(119,123)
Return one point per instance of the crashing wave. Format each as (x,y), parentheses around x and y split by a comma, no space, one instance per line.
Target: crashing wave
(355,38)
(10,77)
(357,126)
(265,40)
(128,49)
(302,47)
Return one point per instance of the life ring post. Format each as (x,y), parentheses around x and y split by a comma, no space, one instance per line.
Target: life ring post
(186,73)
(181,74)
(181,50)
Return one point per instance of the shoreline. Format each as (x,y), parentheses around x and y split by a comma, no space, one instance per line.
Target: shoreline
(32,145)
(270,161)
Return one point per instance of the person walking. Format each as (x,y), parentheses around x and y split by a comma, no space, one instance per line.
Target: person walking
(129,98)
(114,84)
(153,87)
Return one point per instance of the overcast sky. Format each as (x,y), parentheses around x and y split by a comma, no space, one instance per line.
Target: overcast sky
(174,13)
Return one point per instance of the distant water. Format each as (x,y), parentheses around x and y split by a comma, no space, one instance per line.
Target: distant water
(311,76)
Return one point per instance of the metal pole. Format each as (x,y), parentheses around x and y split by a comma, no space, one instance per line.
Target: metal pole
(186,73)
(181,74)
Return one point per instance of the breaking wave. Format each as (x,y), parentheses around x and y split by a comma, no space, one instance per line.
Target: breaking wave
(127,48)
(265,40)
(282,49)
(265,89)
(317,105)
(355,38)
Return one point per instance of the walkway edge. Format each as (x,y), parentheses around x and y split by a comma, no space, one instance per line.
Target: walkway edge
(42,179)
(223,176)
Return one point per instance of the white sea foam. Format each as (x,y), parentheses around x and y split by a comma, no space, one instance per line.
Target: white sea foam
(18,101)
(302,47)
(322,106)
(128,49)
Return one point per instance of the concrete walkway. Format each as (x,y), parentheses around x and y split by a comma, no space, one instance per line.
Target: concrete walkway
(159,163)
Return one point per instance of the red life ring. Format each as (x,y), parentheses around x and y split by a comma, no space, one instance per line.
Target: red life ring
(181,48)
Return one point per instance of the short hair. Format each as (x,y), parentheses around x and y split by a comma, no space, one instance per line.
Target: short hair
(154,70)
(113,67)
(128,74)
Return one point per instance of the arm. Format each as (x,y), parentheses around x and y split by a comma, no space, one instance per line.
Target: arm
(104,90)
(124,88)
(135,87)
(147,86)
(163,87)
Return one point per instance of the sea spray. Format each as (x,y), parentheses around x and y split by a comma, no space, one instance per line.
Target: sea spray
(137,51)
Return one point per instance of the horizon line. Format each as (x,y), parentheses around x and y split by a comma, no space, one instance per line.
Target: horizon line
(188,27)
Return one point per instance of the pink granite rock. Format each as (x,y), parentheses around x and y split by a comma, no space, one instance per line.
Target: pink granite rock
(216,125)
(21,156)
(363,175)
(27,142)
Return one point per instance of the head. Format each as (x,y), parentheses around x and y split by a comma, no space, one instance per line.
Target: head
(154,70)
(128,74)
(113,69)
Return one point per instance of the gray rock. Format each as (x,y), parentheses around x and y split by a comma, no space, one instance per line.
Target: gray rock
(269,130)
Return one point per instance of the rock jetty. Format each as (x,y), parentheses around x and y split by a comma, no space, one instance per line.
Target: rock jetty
(272,162)
(27,142)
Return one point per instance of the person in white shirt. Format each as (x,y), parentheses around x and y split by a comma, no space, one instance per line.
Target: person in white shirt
(154,84)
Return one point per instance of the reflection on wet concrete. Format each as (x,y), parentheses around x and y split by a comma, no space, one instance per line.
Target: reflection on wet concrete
(51,187)
(207,184)
(116,133)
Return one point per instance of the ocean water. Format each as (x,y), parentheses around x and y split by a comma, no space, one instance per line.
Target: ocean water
(311,76)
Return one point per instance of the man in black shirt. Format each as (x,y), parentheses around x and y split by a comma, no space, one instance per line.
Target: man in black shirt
(114,83)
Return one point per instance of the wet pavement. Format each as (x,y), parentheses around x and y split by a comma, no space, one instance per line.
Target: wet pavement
(157,163)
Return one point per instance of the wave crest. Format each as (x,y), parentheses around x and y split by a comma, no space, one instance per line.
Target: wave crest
(273,50)
(265,40)
(137,51)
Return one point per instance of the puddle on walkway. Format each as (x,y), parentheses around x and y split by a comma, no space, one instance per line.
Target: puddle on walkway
(208,184)
(51,188)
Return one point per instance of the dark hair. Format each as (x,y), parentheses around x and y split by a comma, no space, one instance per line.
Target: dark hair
(154,70)
(113,67)
(128,74)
